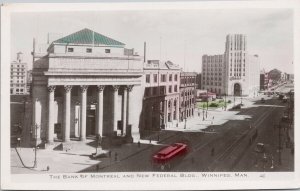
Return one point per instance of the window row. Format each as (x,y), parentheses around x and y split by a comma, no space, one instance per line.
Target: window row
(163,78)
(87,50)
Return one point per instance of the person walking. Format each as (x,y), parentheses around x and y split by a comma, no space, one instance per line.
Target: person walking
(139,144)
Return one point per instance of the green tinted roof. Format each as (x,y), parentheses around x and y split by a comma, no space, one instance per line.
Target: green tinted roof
(87,36)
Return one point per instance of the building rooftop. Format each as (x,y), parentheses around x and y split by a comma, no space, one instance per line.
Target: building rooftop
(162,65)
(87,36)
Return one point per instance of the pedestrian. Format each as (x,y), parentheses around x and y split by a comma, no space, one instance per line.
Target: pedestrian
(139,144)
(48,168)
(150,140)
(212,153)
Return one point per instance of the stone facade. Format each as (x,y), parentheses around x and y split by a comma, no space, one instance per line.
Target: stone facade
(187,95)
(161,97)
(18,76)
(82,89)
(233,73)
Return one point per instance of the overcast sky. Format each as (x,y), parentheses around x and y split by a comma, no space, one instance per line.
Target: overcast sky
(170,35)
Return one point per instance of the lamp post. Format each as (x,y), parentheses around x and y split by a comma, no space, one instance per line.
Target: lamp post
(241,98)
(206,103)
(35,147)
(203,112)
(279,144)
(225,106)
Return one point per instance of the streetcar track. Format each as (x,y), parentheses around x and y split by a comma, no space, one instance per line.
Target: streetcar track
(222,156)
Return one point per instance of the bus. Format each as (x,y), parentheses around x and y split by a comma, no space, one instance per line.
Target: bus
(168,156)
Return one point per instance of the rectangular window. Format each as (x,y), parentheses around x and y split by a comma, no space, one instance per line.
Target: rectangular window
(162,90)
(155,77)
(175,77)
(163,78)
(170,77)
(147,78)
(170,89)
(89,50)
(175,88)
(70,49)
(107,50)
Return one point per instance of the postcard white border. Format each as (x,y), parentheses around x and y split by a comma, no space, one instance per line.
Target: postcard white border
(8,181)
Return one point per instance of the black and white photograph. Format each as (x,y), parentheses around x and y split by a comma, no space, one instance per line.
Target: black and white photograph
(153,92)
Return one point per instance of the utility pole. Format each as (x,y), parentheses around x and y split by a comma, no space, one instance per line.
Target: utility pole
(279,144)
(225,103)
(241,98)
(35,149)
(206,103)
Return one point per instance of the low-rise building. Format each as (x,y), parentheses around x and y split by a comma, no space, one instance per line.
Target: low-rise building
(161,96)
(187,94)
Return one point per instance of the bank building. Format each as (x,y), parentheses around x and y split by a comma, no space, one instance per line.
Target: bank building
(86,84)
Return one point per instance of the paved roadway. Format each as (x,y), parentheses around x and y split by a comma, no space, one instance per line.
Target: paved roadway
(233,150)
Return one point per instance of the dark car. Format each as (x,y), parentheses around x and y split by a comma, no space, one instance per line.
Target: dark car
(237,106)
(262,100)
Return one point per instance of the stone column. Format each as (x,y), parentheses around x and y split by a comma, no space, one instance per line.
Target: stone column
(115,108)
(166,113)
(134,130)
(50,135)
(172,109)
(177,110)
(83,90)
(67,109)
(125,97)
(99,117)
(36,126)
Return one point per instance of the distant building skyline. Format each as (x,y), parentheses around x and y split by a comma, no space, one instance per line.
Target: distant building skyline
(176,35)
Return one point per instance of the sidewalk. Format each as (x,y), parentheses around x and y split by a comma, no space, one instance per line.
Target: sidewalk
(77,159)
(216,116)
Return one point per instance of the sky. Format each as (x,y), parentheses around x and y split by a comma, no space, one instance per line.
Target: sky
(181,36)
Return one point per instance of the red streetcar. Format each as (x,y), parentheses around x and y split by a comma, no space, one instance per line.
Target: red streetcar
(166,157)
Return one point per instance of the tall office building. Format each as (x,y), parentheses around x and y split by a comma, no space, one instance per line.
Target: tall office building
(235,72)
(18,75)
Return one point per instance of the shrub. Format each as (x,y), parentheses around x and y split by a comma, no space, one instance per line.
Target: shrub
(220,101)
(229,101)
(213,105)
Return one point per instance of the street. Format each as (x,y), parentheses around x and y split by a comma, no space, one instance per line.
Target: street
(225,141)
(233,142)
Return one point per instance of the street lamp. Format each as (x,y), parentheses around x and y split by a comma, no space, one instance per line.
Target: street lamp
(35,149)
(206,103)
(225,106)
(241,98)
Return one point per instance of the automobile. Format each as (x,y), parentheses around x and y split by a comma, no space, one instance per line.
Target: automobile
(238,106)
(285,118)
(284,99)
(262,100)
(280,96)
(260,148)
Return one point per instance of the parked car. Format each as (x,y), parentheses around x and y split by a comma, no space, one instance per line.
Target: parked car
(260,148)
(262,100)
(285,118)
(238,106)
